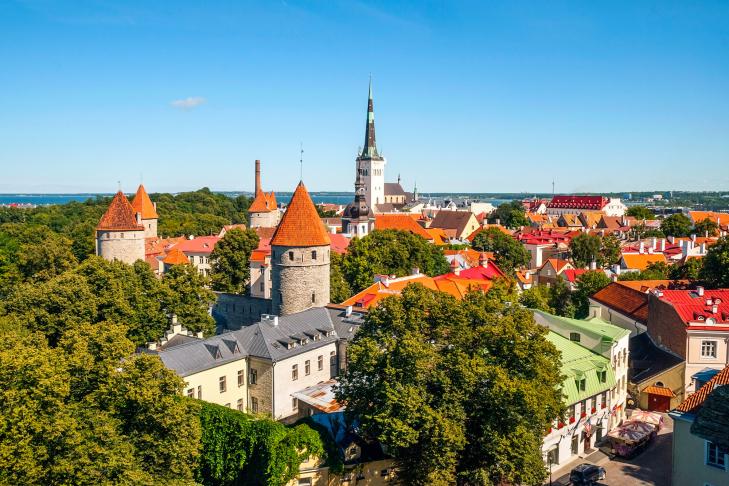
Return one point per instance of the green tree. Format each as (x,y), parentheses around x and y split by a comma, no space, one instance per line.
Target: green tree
(339,288)
(560,298)
(510,215)
(231,260)
(585,249)
(640,212)
(537,297)
(707,227)
(715,270)
(415,382)
(676,225)
(509,254)
(390,252)
(654,271)
(587,284)
(610,251)
(688,270)
(189,298)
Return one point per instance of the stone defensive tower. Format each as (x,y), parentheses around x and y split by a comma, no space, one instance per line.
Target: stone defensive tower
(143,205)
(120,234)
(263,211)
(300,258)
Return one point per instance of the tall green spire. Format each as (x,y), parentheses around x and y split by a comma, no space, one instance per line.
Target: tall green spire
(370,147)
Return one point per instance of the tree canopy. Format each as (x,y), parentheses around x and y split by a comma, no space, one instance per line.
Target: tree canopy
(587,284)
(585,249)
(640,212)
(461,392)
(676,225)
(510,214)
(509,254)
(231,260)
(715,270)
(706,227)
(390,252)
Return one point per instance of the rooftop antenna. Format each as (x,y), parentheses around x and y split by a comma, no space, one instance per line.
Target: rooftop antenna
(301,161)
(552,187)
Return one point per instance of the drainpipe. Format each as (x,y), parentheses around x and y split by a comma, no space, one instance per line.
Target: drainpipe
(273,395)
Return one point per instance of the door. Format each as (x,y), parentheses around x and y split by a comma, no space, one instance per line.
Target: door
(575,444)
(658,403)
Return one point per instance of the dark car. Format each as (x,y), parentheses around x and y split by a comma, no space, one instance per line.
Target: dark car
(586,474)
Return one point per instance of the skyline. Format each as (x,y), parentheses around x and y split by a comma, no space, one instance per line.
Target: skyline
(473,98)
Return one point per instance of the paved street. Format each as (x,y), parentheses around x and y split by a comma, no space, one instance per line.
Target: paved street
(650,468)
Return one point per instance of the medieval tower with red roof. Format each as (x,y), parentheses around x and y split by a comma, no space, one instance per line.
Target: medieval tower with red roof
(300,258)
(120,233)
(263,211)
(143,205)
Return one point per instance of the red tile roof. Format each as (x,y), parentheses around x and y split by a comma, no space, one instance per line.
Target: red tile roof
(627,301)
(175,257)
(695,309)
(201,244)
(479,272)
(571,274)
(340,243)
(300,225)
(696,399)
(402,222)
(143,204)
(263,202)
(119,216)
(485,227)
(659,390)
(578,202)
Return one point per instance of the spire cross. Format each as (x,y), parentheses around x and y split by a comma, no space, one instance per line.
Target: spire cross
(301,161)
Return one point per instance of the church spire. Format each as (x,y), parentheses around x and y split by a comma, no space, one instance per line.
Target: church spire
(370,147)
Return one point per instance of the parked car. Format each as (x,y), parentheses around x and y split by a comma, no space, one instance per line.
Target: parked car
(587,474)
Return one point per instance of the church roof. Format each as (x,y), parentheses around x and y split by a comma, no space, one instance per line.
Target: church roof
(394,189)
(370,147)
(263,203)
(300,225)
(119,216)
(143,204)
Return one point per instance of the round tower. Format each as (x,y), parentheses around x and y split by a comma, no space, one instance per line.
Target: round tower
(143,205)
(300,250)
(120,234)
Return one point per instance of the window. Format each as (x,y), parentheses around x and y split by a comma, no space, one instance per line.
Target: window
(241,377)
(307,367)
(253,378)
(221,384)
(575,336)
(261,286)
(199,392)
(603,399)
(333,358)
(715,456)
(320,362)
(313,297)
(580,384)
(602,376)
(304,482)
(313,255)
(708,349)
(295,372)
(240,405)
(384,472)
(294,404)
(191,392)
(291,256)
(254,404)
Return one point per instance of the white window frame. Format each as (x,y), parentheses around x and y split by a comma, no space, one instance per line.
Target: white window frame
(716,465)
(713,343)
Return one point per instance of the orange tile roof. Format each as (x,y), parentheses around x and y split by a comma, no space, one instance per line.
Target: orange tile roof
(696,399)
(201,244)
(557,264)
(259,256)
(487,226)
(698,216)
(119,216)
(659,390)
(175,257)
(263,202)
(647,285)
(401,222)
(439,236)
(300,225)
(143,204)
(630,302)
(640,261)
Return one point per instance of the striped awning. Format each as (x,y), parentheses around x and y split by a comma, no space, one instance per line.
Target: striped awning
(660,390)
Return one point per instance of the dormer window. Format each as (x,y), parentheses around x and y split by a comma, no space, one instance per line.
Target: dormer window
(575,336)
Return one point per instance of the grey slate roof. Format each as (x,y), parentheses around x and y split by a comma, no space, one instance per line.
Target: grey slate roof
(647,359)
(202,354)
(346,326)
(394,189)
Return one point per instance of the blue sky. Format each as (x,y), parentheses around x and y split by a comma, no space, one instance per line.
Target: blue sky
(469,96)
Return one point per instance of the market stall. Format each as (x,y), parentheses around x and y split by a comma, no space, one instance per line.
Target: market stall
(631,437)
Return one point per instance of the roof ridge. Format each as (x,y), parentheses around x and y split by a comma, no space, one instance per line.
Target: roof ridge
(300,225)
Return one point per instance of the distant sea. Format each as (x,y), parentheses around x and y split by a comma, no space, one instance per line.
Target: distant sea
(317,197)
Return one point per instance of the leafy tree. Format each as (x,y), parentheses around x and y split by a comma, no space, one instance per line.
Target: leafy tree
(610,251)
(640,212)
(676,225)
(689,270)
(390,252)
(231,260)
(560,298)
(585,248)
(415,382)
(510,215)
(537,297)
(509,254)
(325,213)
(706,227)
(639,232)
(715,270)
(339,288)
(189,298)
(587,284)
(654,271)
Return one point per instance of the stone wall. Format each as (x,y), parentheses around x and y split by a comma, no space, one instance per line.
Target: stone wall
(269,219)
(150,228)
(125,246)
(300,278)
(233,311)
(262,390)
(666,327)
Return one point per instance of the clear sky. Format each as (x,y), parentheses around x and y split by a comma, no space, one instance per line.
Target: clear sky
(481,96)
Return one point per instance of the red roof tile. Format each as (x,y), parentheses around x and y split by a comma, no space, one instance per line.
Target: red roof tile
(695,309)
(401,222)
(340,243)
(578,202)
(300,225)
(143,204)
(627,301)
(263,203)
(175,257)
(201,244)
(696,399)
(119,216)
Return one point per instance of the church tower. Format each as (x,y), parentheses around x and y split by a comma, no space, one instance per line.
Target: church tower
(358,219)
(143,205)
(300,258)
(370,165)
(120,234)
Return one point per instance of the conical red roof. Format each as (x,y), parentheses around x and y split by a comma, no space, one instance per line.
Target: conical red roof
(301,225)
(120,216)
(143,204)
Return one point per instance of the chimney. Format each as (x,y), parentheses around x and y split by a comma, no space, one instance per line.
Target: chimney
(270,319)
(714,309)
(693,238)
(415,271)
(348,311)
(593,265)
(671,239)
(483,260)
(663,245)
(702,249)
(199,334)
(258,176)
(152,346)
(654,242)
(700,291)
(614,278)
(641,247)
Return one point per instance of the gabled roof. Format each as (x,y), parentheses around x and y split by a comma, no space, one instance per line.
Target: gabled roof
(696,309)
(571,274)
(455,220)
(119,216)
(696,399)
(640,261)
(143,204)
(578,202)
(394,189)
(175,257)
(698,216)
(629,302)
(340,243)
(201,244)
(595,328)
(263,203)
(558,264)
(401,222)
(300,225)
(485,227)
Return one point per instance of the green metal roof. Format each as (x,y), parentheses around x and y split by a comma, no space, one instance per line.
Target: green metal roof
(579,362)
(595,327)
